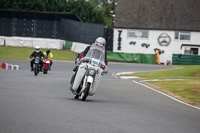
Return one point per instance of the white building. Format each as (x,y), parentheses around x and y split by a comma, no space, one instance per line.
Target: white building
(171,26)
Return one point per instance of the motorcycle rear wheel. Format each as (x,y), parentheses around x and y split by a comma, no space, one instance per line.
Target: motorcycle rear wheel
(84,94)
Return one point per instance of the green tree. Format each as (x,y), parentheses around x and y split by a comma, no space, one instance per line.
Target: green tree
(86,11)
(91,11)
(106,7)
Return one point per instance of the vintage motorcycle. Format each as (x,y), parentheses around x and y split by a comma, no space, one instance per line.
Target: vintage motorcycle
(46,64)
(89,73)
(36,66)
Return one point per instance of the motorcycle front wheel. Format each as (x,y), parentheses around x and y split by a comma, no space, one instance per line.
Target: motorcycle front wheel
(84,94)
(36,70)
(45,70)
(78,91)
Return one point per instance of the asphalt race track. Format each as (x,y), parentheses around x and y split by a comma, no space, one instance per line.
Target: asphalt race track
(44,104)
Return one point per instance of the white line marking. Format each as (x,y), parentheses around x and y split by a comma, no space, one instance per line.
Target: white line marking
(166,95)
(113,74)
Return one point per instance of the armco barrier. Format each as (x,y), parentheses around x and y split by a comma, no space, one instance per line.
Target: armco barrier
(10,66)
(31,42)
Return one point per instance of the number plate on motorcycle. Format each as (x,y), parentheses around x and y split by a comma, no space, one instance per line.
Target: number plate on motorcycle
(95,62)
(36,61)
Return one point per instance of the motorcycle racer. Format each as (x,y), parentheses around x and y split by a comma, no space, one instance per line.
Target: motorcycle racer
(36,53)
(100,42)
(50,55)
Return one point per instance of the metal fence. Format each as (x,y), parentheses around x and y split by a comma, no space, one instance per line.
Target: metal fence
(51,25)
(32,24)
(80,32)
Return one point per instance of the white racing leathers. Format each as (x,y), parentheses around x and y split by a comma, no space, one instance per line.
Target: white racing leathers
(89,74)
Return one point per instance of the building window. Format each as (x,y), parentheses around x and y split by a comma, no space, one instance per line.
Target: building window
(194,51)
(138,33)
(182,35)
(191,51)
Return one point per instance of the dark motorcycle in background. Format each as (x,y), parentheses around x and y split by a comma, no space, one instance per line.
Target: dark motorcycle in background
(36,66)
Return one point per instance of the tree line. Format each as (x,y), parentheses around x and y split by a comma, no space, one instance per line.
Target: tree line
(91,11)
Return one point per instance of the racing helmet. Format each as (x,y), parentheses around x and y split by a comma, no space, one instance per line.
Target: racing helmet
(48,51)
(37,49)
(100,41)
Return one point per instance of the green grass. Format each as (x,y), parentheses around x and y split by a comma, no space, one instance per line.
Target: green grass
(189,88)
(186,71)
(24,53)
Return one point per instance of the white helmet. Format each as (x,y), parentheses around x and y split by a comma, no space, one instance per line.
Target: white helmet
(101,41)
(37,49)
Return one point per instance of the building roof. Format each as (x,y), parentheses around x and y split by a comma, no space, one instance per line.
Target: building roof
(158,14)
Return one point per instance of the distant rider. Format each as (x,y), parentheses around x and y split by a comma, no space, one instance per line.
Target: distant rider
(50,55)
(36,53)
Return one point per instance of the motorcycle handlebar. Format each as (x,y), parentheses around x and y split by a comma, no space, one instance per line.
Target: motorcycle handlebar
(101,65)
(37,57)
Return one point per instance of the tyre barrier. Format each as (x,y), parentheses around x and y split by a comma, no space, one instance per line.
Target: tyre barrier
(10,66)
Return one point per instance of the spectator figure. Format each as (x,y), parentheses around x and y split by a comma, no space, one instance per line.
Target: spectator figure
(157,56)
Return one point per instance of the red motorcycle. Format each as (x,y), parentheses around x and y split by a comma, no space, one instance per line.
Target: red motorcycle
(46,64)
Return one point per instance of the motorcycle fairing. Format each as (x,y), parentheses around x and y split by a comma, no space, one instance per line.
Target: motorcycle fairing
(95,54)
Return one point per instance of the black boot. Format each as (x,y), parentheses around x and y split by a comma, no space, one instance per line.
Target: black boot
(31,69)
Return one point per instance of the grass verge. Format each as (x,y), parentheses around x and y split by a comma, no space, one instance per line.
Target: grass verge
(187,90)
(24,53)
